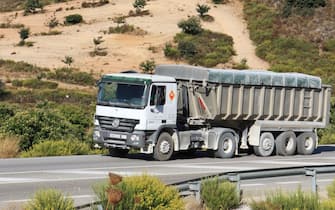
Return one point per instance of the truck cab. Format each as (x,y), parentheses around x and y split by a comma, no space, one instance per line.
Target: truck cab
(131,108)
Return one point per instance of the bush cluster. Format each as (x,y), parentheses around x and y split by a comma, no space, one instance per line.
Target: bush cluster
(301,7)
(73,76)
(22,67)
(58,148)
(35,84)
(73,19)
(142,192)
(39,124)
(205,49)
(57,95)
(219,194)
(94,4)
(50,199)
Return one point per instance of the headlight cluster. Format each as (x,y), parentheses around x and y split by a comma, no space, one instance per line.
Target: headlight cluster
(134,137)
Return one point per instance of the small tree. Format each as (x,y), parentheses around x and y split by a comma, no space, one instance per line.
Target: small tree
(139,5)
(24,34)
(191,25)
(119,20)
(202,9)
(148,66)
(52,22)
(68,60)
(31,6)
(97,41)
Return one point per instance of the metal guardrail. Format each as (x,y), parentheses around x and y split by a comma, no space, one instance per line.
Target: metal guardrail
(193,186)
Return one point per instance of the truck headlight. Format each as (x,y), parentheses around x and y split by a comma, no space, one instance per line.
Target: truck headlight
(96,122)
(97,134)
(134,137)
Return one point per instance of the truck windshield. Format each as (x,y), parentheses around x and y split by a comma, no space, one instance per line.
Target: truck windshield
(122,95)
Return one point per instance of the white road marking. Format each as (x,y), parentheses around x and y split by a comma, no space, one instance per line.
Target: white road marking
(252,185)
(292,182)
(325,180)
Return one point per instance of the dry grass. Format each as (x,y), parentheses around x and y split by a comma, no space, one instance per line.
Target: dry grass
(192,204)
(9,146)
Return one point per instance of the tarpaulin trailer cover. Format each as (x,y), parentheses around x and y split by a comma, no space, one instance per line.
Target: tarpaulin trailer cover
(239,77)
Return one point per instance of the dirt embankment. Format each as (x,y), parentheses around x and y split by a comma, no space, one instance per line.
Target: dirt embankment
(124,51)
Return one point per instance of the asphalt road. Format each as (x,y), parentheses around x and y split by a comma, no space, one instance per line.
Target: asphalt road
(74,175)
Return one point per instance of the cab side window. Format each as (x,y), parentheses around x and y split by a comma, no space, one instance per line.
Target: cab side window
(157,96)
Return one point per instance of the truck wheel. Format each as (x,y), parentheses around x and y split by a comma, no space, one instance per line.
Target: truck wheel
(164,147)
(226,146)
(286,143)
(117,152)
(306,143)
(266,145)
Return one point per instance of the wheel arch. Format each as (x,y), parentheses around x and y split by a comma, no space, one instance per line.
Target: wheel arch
(214,135)
(168,128)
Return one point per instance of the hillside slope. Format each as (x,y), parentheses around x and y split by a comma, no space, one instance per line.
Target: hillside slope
(124,51)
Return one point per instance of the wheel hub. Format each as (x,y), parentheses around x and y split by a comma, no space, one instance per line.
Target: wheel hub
(308,143)
(164,147)
(227,144)
(267,144)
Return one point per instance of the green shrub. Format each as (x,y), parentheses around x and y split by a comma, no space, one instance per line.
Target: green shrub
(50,199)
(24,34)
(327,204)
(331,190)
(31,6)
(295,200)
(73,19)
(301,7)
(218,1)
(58,148)
(191,25)
(23,67)
(148,66)
(219,194)
(139,5)
(205,49)
(126,28)
(33,126)
(58,96)
(171,52)
(202,9)
(35,84)
(73,76)
(148,191)
(6,111)
(329,45)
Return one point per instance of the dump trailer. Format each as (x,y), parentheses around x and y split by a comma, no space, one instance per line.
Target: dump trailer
(188,108)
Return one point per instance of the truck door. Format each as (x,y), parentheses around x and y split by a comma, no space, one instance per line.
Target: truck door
(162,105)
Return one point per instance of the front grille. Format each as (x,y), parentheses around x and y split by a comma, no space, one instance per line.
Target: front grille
(125,125)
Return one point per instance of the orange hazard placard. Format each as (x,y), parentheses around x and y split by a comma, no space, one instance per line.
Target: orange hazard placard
(171,95)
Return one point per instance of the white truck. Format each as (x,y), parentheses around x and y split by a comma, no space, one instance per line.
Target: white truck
(188,108)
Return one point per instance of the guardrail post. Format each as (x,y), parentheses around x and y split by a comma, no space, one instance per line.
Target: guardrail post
(312,172)
(195,189)
(235,177)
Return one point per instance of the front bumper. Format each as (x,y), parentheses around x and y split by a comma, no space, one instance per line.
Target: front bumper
(124,140)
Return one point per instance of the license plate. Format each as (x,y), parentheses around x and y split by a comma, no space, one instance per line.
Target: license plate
(115,136)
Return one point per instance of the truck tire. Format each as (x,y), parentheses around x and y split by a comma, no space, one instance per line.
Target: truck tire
(164,147)
(117,152)
(286,143)
(306,143)
(266,145)
(226,146)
